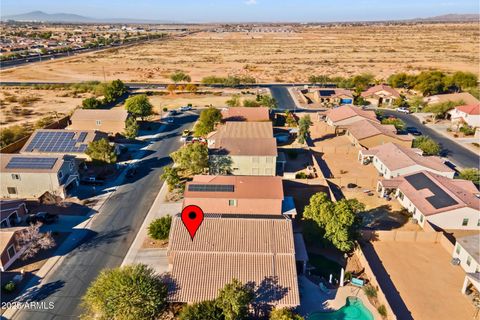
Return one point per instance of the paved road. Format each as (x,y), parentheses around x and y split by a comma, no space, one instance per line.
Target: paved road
(456,153)
(113,231)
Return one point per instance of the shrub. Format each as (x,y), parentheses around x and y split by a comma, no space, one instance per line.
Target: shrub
(160,228)
(200,311)
(301,175)
(9,287)
(382,310)
(467,130)
(370,291)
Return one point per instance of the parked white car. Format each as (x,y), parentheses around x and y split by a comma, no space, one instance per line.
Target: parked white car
(185,108)
(403,110)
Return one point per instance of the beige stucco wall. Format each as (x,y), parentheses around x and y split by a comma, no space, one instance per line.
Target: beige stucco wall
(388,174)
(33,185)
(108,126)
(248,166)
(243,206)
(463,255)
(453,219)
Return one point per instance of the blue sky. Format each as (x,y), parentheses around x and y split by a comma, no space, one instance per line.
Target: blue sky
(246,10)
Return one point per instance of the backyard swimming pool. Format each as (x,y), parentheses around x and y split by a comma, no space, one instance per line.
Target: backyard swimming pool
(352,310)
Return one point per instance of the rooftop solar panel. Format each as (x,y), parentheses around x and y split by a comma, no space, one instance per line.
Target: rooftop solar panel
(326,93)
(211,188)
(31,163)
(57,141)
(440,198)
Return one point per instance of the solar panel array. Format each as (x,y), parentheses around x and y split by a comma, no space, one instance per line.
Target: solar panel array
(57,141)
(440,198)
(211,187)
(326,93)
(31,163)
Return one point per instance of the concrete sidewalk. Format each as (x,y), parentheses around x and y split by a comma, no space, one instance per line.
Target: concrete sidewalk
(153,257)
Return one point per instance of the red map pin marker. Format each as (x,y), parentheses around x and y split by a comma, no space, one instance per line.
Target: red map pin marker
(192,218)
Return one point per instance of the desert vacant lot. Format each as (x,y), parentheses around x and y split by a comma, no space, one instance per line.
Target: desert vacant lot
(276,57)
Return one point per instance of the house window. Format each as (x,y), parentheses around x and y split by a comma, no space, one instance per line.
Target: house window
(12,190)
(469,261)
(421,218)
(457,249)
(414,210)
(232,203)
(478,223)
(465,222)
(400,195)
(15,176)
(99,122)
(11,251)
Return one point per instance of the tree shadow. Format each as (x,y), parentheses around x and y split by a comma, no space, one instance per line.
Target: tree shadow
(267,293)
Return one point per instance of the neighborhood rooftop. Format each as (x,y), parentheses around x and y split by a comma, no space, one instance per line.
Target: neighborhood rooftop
(246,114)
(345,112)
(380,87)
(433,194)
(471,244)
(244,130)
(397,157)
(59,141)
(466,97)
(365,128)
(115,114)
(471,109)
(259,251)
(30,163)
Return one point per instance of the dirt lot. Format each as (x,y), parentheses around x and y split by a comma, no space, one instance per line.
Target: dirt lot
(270,57)
(425,279)
(21,105)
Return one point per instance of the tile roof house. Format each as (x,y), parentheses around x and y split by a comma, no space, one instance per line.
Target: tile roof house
(30,176)
(9,246)
(467,250)
(469,114)
(246,114)
(260,252)
(347,115)
(380,95)
(237,195)
(368,134)
(443,202)
(111,121)
(393,160)
(466,97)
(61,141)
(12,212)
(249,147)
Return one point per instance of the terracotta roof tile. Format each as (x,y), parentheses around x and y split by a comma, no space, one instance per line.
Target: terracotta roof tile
(345,112)
(246,114)
(380,87)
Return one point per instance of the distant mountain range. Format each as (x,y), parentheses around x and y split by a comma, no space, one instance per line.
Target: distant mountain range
(453,17)
(40,16)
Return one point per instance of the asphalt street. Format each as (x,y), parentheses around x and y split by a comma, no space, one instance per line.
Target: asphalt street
(112,231)
(456,153)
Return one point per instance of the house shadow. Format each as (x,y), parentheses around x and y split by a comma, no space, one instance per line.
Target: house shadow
(388,287)
(93,240)
(41,292)
(327,173)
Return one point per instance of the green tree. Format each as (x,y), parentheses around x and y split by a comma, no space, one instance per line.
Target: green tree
(319,79)
(431,82)
(102,151)
(131,128)
(207,120)
(249,103)
(472,174)
(139,106)
(416,103)
(304,128)
(337,220)
(91,103)
(192,158)
(398,123)
(427,145)
(439,110)
(234,300)
(462,80)
(234,101)
(171,177)
(180,76)
(114,90)
(268,101)
(191,87)
(284,314)
(133,292)
(201,311)
(159,229)
(362,81)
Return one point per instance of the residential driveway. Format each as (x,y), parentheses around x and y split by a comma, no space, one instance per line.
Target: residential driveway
(456,153)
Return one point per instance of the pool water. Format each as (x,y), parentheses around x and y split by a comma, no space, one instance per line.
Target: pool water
(352,310)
